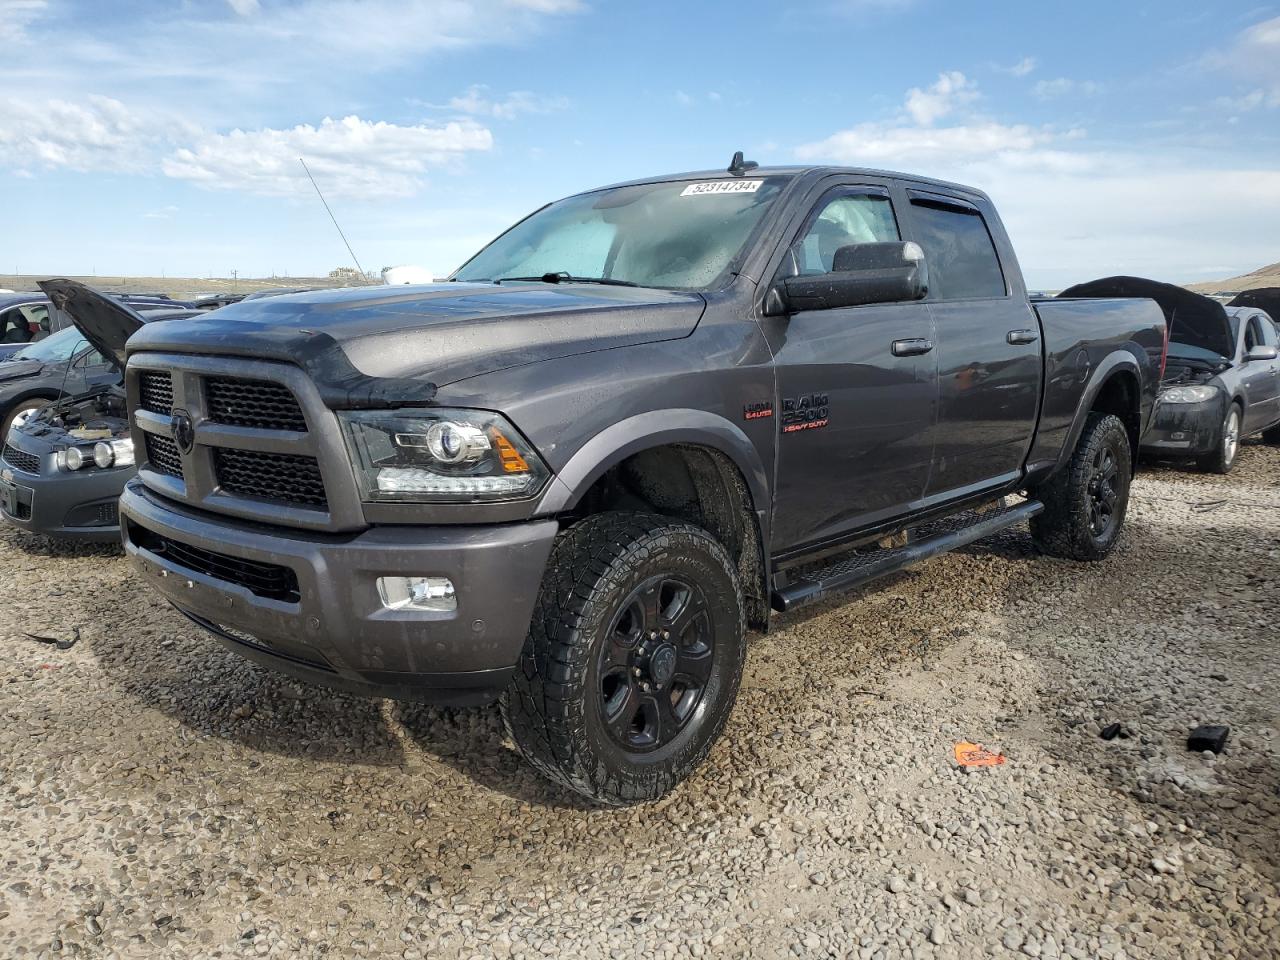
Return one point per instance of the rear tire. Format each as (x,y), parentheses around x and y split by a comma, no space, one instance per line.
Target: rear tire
(1224,457)
(1085,502)
(633,658)
(20,413)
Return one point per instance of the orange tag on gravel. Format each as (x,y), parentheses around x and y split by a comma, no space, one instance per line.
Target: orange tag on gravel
(973,755)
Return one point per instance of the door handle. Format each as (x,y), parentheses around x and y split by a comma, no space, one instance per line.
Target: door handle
(1022,336)
(911,348)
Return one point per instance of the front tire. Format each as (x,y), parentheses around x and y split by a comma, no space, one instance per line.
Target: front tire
(633,658)
(1085,502)
(20,414)
(1224,457)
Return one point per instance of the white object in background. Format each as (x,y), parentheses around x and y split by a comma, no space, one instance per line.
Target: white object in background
(407,274)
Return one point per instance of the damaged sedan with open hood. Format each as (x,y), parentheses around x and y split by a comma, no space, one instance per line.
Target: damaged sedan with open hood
(1221,382)
(63,467)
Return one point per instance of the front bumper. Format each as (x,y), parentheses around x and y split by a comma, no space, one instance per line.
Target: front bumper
(1185,429)
(334,629)
(80,505)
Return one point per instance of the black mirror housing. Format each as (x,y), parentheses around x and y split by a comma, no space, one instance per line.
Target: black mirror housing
(862,273)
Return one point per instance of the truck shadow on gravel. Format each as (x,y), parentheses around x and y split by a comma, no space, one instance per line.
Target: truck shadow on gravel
(39,545)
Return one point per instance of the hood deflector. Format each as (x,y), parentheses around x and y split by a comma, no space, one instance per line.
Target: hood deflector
(1194,320)
(108,324)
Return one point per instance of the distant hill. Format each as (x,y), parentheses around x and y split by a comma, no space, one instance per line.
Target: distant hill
(177,287)
(1268,276)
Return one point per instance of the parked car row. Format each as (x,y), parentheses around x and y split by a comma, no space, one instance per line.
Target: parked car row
(630,427)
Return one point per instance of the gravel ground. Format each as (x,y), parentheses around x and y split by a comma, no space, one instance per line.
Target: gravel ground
(160,796)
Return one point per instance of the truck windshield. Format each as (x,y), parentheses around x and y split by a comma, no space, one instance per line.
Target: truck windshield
(681,235)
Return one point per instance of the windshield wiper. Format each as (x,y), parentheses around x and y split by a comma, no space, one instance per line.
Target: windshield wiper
(563,276)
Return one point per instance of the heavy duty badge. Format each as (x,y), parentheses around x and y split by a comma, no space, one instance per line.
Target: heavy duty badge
(804,413)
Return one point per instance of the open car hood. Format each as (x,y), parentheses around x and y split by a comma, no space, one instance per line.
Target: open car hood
(105,323)
(1193,319)
(1263,298)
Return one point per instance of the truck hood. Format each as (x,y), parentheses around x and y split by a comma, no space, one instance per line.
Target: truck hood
(105,323)
(392,346)
(1193,319)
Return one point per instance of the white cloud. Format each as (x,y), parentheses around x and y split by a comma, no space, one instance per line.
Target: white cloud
(349,157)
(1065,86)
(1023,67)
(245,8)
(17,15)
(97,134)
(933,103)
(1075,209)
(477,102)
(1255,58)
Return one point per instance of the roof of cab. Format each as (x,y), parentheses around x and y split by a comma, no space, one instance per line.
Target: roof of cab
(808,172)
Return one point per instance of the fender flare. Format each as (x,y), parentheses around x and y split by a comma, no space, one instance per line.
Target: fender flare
(658,428)
(1115,362)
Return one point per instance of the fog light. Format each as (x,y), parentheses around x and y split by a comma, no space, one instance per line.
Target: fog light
(418,593)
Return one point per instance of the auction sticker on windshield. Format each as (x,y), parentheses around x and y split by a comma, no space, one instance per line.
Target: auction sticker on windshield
(721,186)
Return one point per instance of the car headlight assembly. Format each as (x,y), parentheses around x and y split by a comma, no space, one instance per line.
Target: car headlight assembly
(1188,394)
(113,453)
(72,459)
(444,455)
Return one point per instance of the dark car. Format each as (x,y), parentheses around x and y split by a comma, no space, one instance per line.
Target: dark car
(64,464)
(1222,378)
(24,317)
(213,301)
(646,415)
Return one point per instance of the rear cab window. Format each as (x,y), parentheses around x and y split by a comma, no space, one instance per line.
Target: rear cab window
(958,249)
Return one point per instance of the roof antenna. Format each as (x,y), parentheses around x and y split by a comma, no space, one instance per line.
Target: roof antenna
(738,166)
(364,276)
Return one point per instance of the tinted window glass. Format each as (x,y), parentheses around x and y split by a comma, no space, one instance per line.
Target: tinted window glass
(958,250)
(843,221)
(1269,333)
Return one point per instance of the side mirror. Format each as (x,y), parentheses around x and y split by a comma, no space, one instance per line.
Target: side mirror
(1262,352)
(861,274)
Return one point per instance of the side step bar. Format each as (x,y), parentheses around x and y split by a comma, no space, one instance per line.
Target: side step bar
(861,568)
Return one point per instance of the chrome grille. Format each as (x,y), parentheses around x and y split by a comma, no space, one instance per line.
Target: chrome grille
(162,454)
(21,460)
(155,392)
(253,403)
(270,476)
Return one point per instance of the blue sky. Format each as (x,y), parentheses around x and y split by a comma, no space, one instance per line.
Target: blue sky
(145,138)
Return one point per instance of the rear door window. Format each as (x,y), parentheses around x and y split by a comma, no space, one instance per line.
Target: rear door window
(958,249)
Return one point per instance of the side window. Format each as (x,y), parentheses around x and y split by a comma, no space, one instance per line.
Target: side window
(1253,333)
(959,251)
(1269,337)
(843,220)
(37,317)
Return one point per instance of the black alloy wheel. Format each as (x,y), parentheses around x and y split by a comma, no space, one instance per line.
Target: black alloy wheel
(655,663)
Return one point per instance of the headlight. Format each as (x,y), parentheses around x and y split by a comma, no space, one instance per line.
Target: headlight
(441,455)
(113,453)
(73,458)
(1188,394)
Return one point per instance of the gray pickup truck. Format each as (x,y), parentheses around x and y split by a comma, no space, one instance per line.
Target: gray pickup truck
(573,475)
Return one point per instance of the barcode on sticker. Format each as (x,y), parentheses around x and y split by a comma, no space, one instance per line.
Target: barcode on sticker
(721,186)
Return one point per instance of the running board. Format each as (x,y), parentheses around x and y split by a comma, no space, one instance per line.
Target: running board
(861,568)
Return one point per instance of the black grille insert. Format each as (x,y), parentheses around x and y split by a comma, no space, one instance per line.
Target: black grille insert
(21,460)
(267,580)
(284,477)
(162,455)
(253,403)
(155,391)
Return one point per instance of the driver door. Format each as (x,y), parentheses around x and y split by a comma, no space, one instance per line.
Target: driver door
(857,388)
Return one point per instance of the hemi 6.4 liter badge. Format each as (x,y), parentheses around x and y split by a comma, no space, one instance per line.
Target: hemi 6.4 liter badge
(804,413)
(759,410)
